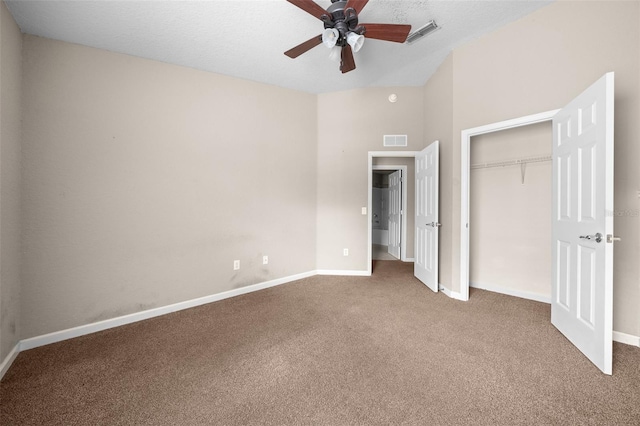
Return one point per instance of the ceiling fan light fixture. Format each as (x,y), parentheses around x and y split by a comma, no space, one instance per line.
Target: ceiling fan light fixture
(355,41)
(336,54)
(330,37)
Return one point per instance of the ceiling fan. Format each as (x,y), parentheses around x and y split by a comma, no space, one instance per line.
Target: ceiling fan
(342,32)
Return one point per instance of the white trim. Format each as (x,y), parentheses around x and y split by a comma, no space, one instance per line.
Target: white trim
(409,259)
(371,155)
(627,339)
(465,140)
(393,154)
(452,294)
(403,217)
(344,273)
(511,292)
(618,336)
(8,360)
(82,330)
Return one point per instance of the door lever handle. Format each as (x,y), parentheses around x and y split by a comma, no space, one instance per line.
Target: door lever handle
(434,224)
(611,238)
(597,237)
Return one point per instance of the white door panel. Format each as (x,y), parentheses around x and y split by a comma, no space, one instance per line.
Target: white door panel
(427,226)
(395,211)
(582,282)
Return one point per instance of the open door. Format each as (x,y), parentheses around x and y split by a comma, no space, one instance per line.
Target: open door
(395,212)
(582,223)
(426,250)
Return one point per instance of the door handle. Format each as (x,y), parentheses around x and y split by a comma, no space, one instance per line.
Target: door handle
(597,237)
(611,238)
(434,224)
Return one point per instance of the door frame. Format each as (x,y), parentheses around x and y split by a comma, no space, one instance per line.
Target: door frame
(370,168)
(465,173)
(403,208)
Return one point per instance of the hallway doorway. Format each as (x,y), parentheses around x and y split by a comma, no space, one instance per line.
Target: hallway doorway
(388,211)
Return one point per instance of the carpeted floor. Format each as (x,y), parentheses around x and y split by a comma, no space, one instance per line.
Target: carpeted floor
(327,351)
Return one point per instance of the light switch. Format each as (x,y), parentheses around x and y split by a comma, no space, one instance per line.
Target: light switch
(364,210)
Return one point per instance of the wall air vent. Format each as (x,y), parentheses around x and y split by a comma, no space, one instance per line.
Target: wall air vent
(394,140)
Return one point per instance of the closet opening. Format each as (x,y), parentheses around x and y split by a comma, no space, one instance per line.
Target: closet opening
(510,211)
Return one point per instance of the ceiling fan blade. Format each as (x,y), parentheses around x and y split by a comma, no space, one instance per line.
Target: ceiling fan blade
(388,32)
(310,7)
(304,47)
(358,5)
(348,63)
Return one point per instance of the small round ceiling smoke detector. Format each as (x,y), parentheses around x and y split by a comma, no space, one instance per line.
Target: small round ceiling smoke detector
(393,98)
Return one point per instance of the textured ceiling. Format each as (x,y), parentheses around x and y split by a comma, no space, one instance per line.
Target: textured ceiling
(247,38)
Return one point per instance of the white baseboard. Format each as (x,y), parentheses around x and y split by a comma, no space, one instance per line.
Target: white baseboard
(8,360)
(510,292)
(346,273)
(450,293)
(627,339)
(82,330)
(409,259)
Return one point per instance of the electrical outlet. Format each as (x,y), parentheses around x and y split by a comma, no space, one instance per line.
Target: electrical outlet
(236,265)
(265,260)
(345,252)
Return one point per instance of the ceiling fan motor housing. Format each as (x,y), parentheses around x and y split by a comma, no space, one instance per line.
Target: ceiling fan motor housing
(343,20)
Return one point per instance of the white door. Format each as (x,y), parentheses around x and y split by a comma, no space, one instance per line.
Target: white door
(395,212)
(582,228)
(426,245)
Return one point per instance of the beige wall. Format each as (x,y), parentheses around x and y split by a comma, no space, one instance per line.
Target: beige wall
(438,125)
(510,220)
(10,136)
(350,124)
(540,63)
(144,181)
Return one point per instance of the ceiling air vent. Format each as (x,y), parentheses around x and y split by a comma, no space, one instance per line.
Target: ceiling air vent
(428,28)
(395,140)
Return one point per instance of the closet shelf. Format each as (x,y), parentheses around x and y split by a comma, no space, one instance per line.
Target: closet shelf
(522,162)
(511,162)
